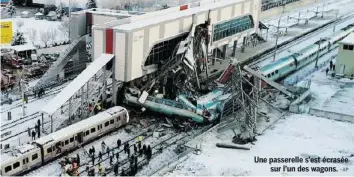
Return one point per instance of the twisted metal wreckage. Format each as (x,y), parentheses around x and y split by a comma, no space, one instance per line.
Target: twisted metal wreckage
(186,96)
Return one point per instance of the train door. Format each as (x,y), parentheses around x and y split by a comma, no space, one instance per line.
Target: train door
(80,137)
(25,163)
(99,129)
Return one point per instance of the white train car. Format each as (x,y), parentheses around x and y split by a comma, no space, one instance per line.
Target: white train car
(53,145)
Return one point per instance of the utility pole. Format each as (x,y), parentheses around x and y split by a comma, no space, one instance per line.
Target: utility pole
(23,87)
(334,24)
(318,52)
(277,34)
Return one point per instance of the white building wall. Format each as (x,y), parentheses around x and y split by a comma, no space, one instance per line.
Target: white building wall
(171,29)
(137,54)
(225,13)
(120,57)
(345,61)
(98,42)
(186,24)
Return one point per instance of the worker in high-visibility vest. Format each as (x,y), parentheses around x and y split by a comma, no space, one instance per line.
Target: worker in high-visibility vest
(140,138)
(100,169)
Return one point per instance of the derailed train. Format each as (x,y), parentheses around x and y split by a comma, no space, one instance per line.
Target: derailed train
(47,148)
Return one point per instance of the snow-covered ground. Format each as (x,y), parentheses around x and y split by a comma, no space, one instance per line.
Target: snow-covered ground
(40,26)
(296,135)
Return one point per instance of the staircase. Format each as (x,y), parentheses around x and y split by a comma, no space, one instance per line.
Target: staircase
(59,64)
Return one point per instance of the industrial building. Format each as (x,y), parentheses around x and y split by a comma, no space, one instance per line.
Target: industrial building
(345,58)
(139,41)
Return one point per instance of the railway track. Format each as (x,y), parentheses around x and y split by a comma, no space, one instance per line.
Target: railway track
(32,172)
(288,44)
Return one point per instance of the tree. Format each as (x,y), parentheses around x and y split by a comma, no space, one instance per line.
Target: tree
(60,10)
(45,38)
(32,34)
(165,6)
(10,9)
(91,4)
(52,34)
(64,28)
(18,38)
(19,23)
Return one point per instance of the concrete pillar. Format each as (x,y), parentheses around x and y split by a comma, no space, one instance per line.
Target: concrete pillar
(224,50)
(234,49)
(214,57)
(243,44)
(70,106)
(114,83)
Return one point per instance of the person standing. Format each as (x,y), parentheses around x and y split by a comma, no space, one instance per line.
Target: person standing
(118,143)
(100,156)
(33,135)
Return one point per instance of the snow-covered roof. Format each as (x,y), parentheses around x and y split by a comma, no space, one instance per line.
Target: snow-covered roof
(24,47)
(176,15)
(82,125)
(77,83)
(25,12)
(38,13)
(51,14)
(349,39)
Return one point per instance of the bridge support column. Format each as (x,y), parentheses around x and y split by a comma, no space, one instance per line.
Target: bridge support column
(224,50)
(243,44)
(234,48)
(214,57)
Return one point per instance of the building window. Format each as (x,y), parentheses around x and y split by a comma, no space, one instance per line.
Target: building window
(231,27)
(350,47)
(162,51)
(345,47)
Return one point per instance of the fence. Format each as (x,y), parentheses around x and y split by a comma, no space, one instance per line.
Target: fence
(266,5)
(331,115)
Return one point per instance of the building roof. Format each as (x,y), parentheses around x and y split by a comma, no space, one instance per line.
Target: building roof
(175,15)
(77,83)
(349,39)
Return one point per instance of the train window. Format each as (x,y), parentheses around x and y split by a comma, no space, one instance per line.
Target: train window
(93,130)
(34,156)
(71,139)
(17,164)
(159,101)
(106,124)
(66,142)
(49,150)
(345,47)
(8,168)
(268,75)
(62,143)
(149,99)
(111,121)
(169,103)
(180,106)
(118,118)
(87,132)
(276,71)
(272,73)
(75,137)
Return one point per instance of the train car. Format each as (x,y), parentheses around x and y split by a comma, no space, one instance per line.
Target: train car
(171,108)
(303,57)
(49,147)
